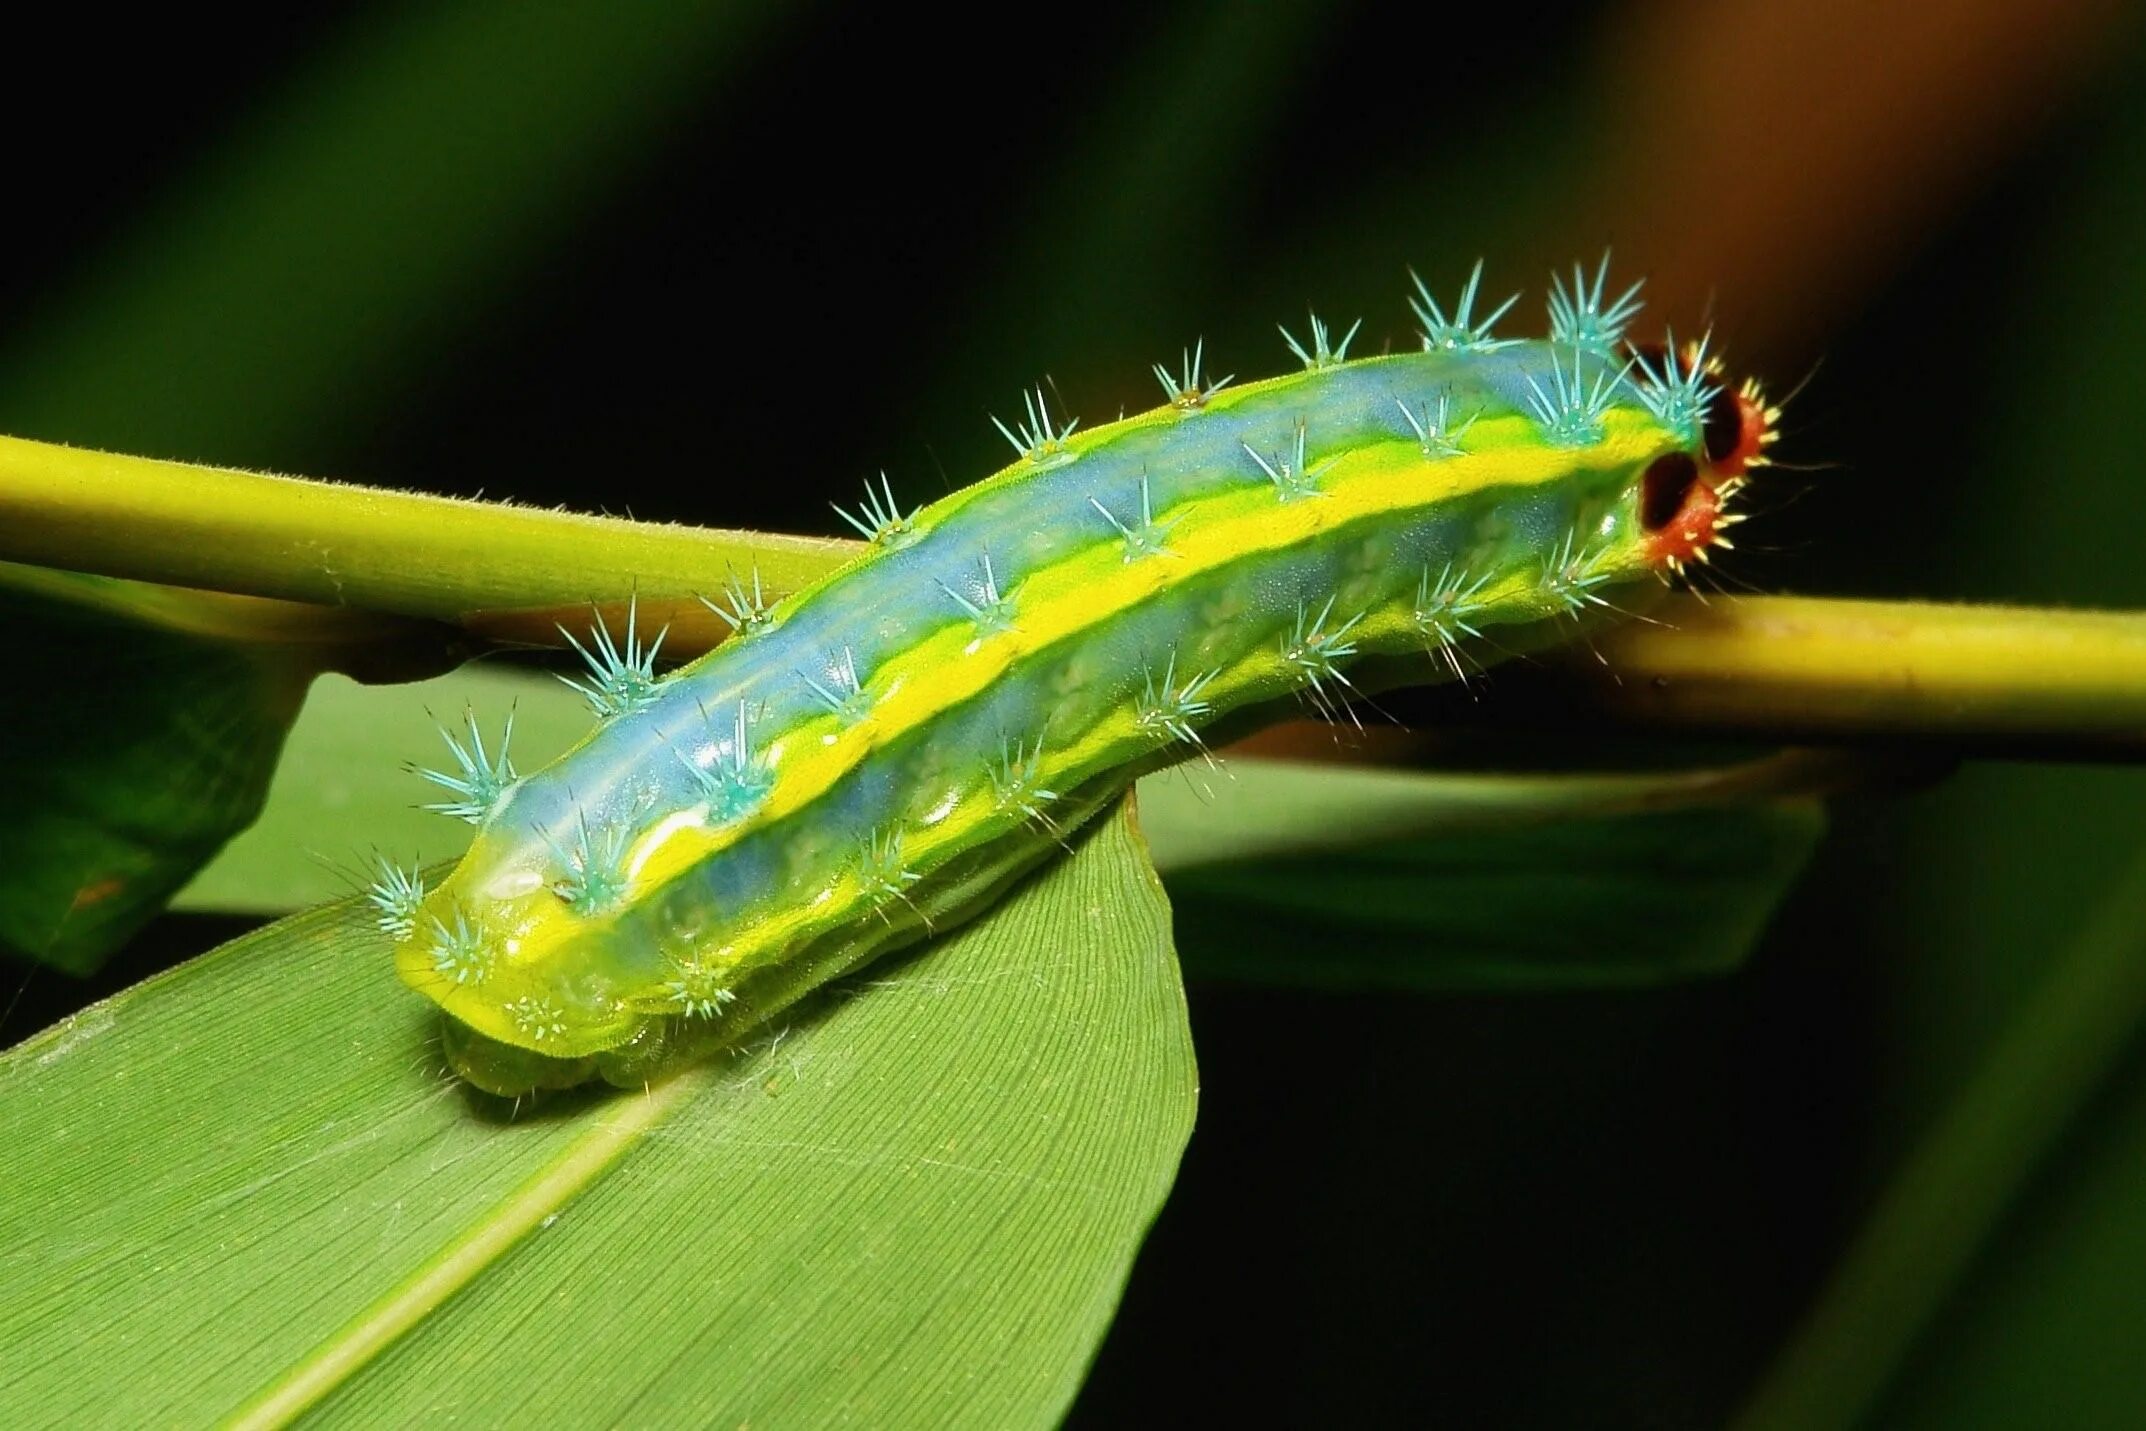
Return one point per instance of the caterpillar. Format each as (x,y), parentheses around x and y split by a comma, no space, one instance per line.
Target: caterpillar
(878,755)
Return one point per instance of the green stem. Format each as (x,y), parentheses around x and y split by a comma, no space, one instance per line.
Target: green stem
(1954,1189)
(338,545)
(2005,680)
(1983,679)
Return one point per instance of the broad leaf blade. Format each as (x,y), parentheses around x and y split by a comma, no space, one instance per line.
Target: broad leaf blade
(1337,878)
(344,790)
(917,1206)
(134,751)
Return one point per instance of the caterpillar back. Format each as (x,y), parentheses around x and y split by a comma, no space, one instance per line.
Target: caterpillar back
(878,755)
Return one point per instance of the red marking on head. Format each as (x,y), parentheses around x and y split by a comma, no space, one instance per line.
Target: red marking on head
(1682,494)
(1754,429)
(1692,532)
(1679,508)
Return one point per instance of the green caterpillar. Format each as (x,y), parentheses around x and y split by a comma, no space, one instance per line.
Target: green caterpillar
(878,755)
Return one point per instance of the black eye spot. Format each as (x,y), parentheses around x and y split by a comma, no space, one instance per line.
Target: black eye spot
(1668,481)
(1724,425)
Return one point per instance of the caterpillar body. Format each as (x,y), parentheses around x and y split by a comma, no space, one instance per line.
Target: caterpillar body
(877,755)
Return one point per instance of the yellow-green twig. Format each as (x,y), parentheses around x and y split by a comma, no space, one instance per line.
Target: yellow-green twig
(340,545)
(1989,679)
(2006,680)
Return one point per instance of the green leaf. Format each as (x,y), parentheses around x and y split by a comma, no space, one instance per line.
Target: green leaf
(140,739)
(1346,878)
(343,790)
(917,1207)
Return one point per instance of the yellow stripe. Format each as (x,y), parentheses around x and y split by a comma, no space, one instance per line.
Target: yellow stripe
(1515,429)
(1093,585)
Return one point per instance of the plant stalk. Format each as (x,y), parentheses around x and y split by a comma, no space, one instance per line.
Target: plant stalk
(1969,679)
(334,544)
(1981,680)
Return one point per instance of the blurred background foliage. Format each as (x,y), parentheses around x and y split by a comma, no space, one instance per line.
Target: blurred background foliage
(717,261)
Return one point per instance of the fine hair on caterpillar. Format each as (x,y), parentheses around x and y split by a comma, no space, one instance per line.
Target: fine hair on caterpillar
(877,756)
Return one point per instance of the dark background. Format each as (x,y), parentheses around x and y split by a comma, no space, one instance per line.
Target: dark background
(725,273)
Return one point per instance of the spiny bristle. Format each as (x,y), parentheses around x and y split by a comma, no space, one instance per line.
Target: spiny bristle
(1168,708)
(990,611)
(622,678)
(882,872)
(1442,611)
(458,950)
(483,777)
(842,693)
(398,894)
(593,876)
(734,780)
(1462,332)
(1577,314)
(1434,431)
(744,608)
(1769,413)
(879,518)
(1147,537)
(1037,438)
(1292,479)
(1315,652)
(1016,779)
(1678,396)
(1569,580)
(1571,413)
(1187,390)
(696,989)
(539,1019)
(1443,607)
(1753,392)
(1319,353)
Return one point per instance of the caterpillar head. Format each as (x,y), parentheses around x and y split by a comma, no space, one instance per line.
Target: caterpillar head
(1684,495)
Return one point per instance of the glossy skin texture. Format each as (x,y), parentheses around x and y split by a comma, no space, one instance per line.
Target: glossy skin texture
(882,752)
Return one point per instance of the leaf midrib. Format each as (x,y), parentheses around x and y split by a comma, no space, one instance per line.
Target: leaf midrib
(458,1262)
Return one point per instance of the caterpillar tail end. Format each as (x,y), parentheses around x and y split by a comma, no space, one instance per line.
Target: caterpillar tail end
(504,1069)
(508,1070)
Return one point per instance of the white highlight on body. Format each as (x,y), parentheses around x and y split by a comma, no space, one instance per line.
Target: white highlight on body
(692,818)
